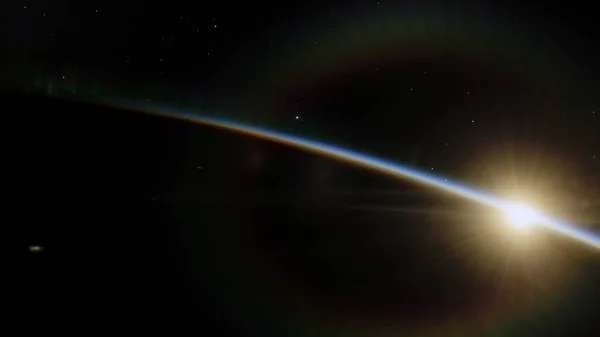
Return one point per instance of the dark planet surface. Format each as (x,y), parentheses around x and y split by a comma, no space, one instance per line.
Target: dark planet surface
(135,234)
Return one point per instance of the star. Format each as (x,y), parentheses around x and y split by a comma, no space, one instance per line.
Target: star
(521,215)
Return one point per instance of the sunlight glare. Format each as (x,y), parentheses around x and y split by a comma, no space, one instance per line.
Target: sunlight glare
(521,215)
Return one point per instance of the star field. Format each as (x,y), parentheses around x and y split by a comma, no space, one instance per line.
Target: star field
(190,47)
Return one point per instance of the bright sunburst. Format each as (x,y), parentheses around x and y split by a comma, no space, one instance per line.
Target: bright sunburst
(520,215)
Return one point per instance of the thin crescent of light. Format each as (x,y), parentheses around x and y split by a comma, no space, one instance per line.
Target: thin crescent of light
(371,162)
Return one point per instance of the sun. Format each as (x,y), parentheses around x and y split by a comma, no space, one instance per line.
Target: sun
(520,215)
